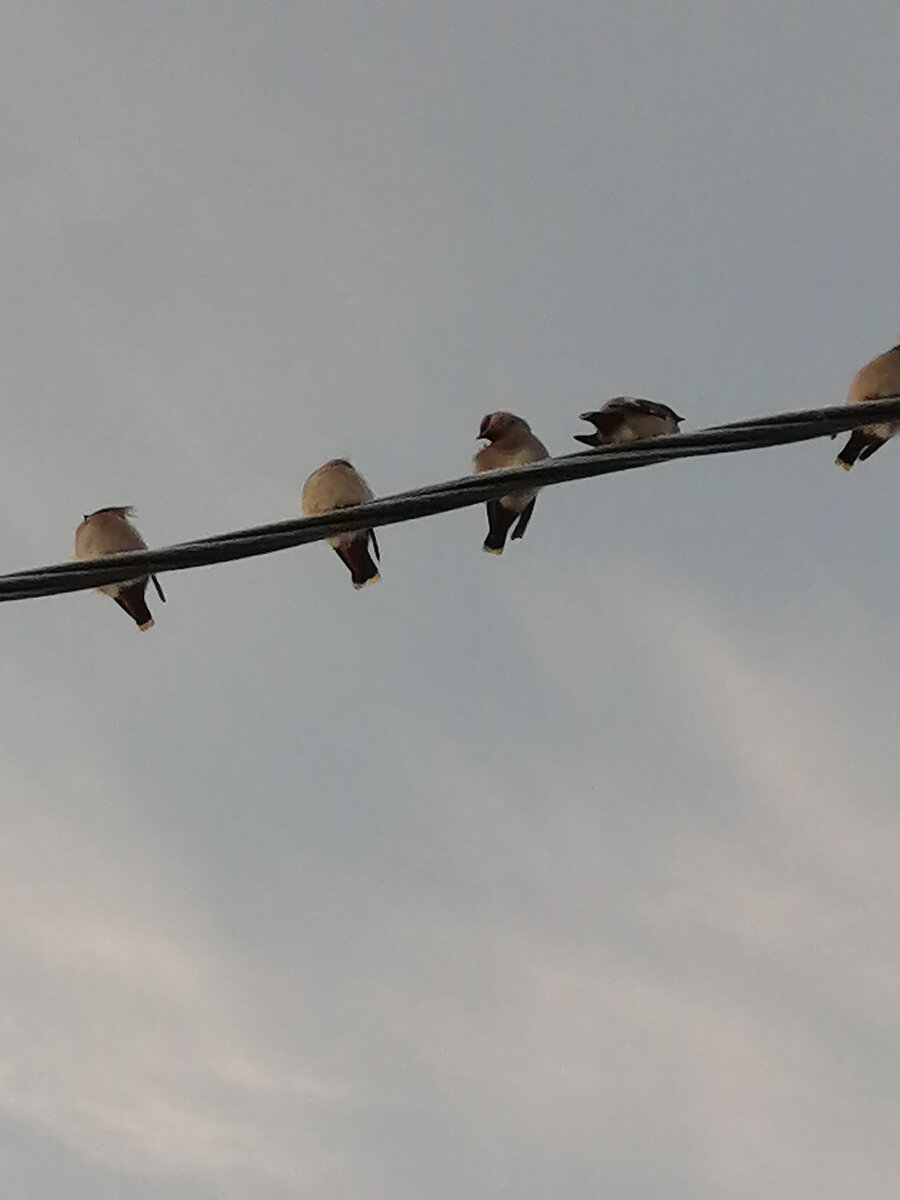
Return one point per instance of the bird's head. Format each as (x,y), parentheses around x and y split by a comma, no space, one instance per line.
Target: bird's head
(496,424)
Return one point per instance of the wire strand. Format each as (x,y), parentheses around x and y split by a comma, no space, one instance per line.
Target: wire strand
(778,429)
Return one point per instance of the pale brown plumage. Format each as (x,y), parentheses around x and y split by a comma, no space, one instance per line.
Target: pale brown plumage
(338,485)
(510,444)
(628,419)
(109,531)
(877,380)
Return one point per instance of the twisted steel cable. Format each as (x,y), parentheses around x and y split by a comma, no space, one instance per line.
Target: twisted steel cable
(778,429)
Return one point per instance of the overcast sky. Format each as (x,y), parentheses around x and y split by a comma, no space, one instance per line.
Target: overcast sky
(568,874)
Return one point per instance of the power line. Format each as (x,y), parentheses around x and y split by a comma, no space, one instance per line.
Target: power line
(757,433)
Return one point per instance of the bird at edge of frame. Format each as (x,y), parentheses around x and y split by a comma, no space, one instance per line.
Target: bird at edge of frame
(109,531)
(628,419)
(510,444)
(877,380)
(337,484)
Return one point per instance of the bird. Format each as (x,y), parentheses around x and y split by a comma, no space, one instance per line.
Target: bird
(510,444)
(109,531)
(337,485)
(627,419)
(877,380)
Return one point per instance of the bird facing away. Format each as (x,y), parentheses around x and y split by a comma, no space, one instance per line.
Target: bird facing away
(338,485)
(627,419)
(510,444)
(109,531)
(877,380)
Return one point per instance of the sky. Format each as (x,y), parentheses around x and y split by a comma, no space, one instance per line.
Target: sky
(571,873)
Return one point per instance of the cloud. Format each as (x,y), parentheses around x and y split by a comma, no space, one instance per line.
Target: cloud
(123,1032)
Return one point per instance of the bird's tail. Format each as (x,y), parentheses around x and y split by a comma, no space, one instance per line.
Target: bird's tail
(500,521)
(860,445)
(359,561)
(131,598)
(589,439)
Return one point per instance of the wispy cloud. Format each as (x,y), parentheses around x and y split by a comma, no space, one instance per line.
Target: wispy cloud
(123,1032)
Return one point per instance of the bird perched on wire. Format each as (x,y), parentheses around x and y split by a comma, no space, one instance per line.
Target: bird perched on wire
(338,485)
(877,380)
(109,531)
(510,444)
(627,419)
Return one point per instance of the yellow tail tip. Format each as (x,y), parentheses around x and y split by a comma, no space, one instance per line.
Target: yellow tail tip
(843,465)
(146,625)
(372,579)
(492,549)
